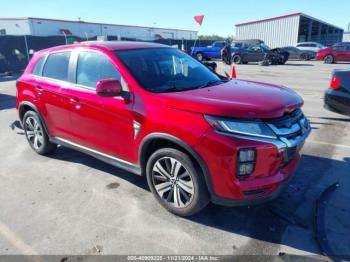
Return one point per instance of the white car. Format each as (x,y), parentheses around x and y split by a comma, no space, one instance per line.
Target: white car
(310,46)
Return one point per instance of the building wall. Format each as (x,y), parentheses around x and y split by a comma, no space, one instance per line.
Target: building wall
(275,33)
(42,27)
(15,27)
(346,37)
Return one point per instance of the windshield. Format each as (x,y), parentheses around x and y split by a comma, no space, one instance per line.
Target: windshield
(265,47)
(166,69)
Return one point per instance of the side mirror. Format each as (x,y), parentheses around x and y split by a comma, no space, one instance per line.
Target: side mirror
(109,88)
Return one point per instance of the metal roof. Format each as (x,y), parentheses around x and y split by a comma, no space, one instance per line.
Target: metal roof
(286,16)
(92,23)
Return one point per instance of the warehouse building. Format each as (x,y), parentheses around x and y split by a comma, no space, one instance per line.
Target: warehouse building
(290,29)
(52,27)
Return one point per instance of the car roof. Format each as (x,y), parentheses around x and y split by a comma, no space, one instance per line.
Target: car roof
(107,45)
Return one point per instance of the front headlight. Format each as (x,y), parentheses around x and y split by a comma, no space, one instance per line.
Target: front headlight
(241,127)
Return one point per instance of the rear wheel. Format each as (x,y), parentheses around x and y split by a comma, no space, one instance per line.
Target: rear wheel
(329,59)
(199,57)
(176,182)
(237,59)
(36,135)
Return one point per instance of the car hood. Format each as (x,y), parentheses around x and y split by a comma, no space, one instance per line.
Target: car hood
(236,98)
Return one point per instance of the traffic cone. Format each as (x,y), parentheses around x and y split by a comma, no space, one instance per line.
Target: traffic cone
(233,72)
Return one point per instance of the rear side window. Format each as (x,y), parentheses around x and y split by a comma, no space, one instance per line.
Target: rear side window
(93,67)
(37,68)
(56,66)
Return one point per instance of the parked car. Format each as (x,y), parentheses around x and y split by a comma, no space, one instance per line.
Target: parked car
(338,52)
(297,54)
(154,111)
(257,53)
(209,52)
(310,46)
(337,97)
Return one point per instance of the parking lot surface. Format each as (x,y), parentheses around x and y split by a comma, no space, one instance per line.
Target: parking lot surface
(70,203)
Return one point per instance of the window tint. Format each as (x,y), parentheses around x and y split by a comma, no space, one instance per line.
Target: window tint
(166,69)
(93,67)
(312,45)
(340,48)
(56,66)
(37,68)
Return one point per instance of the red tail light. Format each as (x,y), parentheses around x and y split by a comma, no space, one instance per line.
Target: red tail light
(335,83)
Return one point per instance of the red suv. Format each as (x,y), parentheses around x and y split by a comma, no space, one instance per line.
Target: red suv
(152,110)
(338,52)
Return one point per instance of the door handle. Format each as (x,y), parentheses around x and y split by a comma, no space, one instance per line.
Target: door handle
(76,101)
(39,89)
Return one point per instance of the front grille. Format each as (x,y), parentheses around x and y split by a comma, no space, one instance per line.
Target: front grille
(290,129)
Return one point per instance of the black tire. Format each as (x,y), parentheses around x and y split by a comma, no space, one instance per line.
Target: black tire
(200,57)
(165,158)
(328,59)
(237,59)
(304,57)
(36,134)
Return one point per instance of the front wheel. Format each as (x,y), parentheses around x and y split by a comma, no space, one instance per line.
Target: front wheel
(329,59)
(36,134)
(176,182)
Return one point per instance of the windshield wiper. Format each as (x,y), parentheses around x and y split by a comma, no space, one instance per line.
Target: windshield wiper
(172,89)
(212,83)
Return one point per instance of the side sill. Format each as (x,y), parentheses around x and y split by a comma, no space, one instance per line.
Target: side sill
(119,163)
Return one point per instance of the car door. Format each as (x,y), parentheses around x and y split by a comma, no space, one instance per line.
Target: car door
(340,52)
(104,124)
(294,52)
(49,84)
(250,54)
(216,50)
(347,57)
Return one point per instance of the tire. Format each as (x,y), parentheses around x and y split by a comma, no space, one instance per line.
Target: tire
(36,134)
(237,59)
(304,57)
(200,57)
(182,191)
(328,59)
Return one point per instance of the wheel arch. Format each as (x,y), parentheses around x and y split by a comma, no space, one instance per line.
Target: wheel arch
(156,141)
(28,106)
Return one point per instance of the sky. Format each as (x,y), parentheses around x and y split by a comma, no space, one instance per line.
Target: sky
(220,16)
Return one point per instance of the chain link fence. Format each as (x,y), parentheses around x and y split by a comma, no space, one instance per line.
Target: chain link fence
(16,51)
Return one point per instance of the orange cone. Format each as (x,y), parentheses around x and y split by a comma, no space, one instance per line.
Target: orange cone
(233,72)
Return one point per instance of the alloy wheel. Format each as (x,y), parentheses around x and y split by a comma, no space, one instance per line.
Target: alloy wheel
(328,59)
(173,182)
(34,132)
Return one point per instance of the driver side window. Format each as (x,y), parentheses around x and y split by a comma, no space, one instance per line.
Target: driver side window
(93,67)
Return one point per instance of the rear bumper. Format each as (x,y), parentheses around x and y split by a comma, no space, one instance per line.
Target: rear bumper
(337,102)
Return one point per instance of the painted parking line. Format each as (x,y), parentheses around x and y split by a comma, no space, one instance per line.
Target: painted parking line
(15,240)
(328,144)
